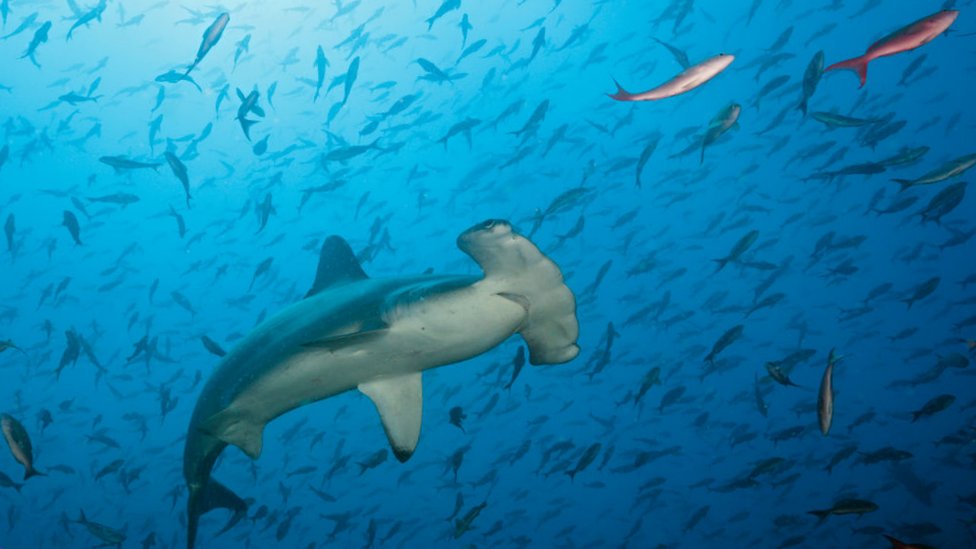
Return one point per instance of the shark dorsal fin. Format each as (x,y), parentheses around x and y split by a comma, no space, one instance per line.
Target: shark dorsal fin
(337,265)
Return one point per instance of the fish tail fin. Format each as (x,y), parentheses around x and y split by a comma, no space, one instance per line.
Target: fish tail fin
(246,126)
(858,64)
(895,542)
(571,475)
(905,184)
(516,270)
(910,301)
(32,472)
(721,264)
(191,67)
(203,500)
(802,107)
(822,515)
(621,94)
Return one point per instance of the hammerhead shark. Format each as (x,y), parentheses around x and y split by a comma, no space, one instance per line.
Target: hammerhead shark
(376,335)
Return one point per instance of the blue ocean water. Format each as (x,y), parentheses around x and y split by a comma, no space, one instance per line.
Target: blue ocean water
(430,118)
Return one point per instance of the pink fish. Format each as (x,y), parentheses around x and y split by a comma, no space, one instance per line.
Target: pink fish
(688,80)
(908,38)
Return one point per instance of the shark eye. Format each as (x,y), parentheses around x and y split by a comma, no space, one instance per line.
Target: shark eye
(487,225)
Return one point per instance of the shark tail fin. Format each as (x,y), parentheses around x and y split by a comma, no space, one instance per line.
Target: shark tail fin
(203,500)
(516,270)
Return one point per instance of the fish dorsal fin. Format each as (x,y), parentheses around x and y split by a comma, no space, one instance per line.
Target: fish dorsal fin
(337,265)
(399,400)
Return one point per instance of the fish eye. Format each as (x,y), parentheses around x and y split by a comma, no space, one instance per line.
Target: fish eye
(487,225)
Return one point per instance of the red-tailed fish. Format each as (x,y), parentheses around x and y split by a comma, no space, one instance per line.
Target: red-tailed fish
(908,38)
(691,78)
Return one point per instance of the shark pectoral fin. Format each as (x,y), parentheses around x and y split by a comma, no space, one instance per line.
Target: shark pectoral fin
(337,265)
(399,400)
(235,428)
(516,270)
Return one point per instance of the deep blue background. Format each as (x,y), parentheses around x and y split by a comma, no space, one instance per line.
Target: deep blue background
(746,178)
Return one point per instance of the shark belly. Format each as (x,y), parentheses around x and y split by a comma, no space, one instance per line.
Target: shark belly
(423,334)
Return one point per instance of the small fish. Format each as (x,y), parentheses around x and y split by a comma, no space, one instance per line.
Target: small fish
(944,202)
(933,406)
(70,222)
(19,443)
(261,269)
(210,38)
(922,291)
(908,38)
(811,79)
(7,482)
(679,55)
(321,63)
(740,248)
(265,211)
(825,397)
(517,364)
(40,37)
(728,338)
(835,120)
(249,104)
(953,168)
(9,229)
(779,376)
(585,460)
(688,80)
(179,170)
(457,416)
(122,199)
(120,163)
(446,6)
(374,460)
(95,13)
(723,122)
(109,536)
(174,77)
(212,346)
(261,147)
(849,506)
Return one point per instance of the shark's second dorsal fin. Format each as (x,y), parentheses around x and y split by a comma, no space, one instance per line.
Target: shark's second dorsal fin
(337,265)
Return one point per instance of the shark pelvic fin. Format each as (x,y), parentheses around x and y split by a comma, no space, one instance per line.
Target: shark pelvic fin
(399,400)
(234,428)
(337,265)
